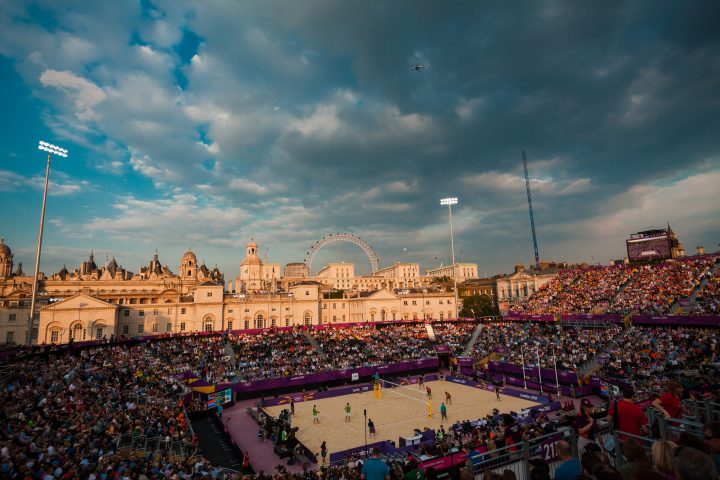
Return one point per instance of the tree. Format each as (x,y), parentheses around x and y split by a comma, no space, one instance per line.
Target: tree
(479,306)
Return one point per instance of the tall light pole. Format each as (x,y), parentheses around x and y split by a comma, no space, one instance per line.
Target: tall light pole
(450,201)
(50,149)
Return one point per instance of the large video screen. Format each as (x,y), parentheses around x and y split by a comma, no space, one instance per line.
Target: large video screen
(219,398)
(650,248)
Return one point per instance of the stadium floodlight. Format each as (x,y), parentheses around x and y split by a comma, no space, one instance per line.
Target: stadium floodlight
(450,201)
(51,150)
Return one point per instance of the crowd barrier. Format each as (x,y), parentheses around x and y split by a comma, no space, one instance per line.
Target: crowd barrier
(350,374)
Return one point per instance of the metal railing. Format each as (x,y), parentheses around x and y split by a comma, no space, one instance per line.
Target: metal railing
(516,457)
(154,447)
(701,411)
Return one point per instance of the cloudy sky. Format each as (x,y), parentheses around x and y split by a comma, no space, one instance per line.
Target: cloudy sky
(202,124)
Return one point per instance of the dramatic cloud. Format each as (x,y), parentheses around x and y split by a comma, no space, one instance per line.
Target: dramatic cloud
(291,120)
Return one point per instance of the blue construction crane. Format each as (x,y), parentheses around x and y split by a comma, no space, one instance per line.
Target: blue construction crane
(532,217)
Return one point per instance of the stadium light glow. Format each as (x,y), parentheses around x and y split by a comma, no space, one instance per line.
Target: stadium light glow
(51,150)
(449,201)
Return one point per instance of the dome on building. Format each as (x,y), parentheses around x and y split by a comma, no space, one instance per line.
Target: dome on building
(4,249)
(189,256)
(251,258)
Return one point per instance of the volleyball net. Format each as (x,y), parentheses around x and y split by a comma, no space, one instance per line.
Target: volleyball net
(407,392)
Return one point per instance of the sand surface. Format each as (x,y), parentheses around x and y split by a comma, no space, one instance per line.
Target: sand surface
(394,415)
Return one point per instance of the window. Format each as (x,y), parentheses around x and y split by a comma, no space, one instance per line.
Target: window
(183,311)
(141,313)
(273,322)
(427,302)
(404,302)
(168,327)
(182,326)
(208,327)
(169,311)
(441,315)
(449,302)
(154,327)
(126,313)
(343,305)
(287,321)
(10,337)
(247,310)
(141,328)
(76,332)
(126,329)
(307,292)
(307,319)
(324,306)
(155,311)
(247,324)
(343,317)
(372,317)
(13,317)
(334,318)
(230,311)
(259,322)
(414,302)
(209,294)
(99,333)
(34,333)
(382,315)
(54,335)
(440,302)
(335,306)
(229,327)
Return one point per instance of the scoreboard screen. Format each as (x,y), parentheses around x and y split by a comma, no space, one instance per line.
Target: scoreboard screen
(648,248)
(219,398)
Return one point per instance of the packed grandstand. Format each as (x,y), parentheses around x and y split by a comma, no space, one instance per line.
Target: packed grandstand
(123,408)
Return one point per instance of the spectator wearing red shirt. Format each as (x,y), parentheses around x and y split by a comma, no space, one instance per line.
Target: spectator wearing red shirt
(669,403)
(630,418)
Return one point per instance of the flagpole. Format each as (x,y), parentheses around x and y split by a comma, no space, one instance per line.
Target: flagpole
(522,353)
(537,351)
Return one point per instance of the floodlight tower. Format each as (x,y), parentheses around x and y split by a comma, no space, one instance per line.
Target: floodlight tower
(51,150)
(450,201)
(532,217)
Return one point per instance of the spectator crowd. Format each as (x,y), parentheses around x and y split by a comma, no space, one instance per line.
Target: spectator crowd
(655,289)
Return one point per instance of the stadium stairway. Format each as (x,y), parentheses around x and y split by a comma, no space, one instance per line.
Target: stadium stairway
(215,444)
(314,343)
(231,353)
(592,365)
(471,343)
(430,331)
(693,296)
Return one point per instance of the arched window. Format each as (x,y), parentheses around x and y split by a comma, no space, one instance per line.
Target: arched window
(259,321)
(208,327)
(441,315)
(307,319)
(382,315)
(273,322)
(247,324)
(76,332)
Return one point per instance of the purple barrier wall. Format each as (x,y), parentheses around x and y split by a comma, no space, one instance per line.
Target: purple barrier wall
(338,392)
(516,316)
(548,374)
(707,321)
(301,380)
(505,391)
(588,317)
(466,361)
